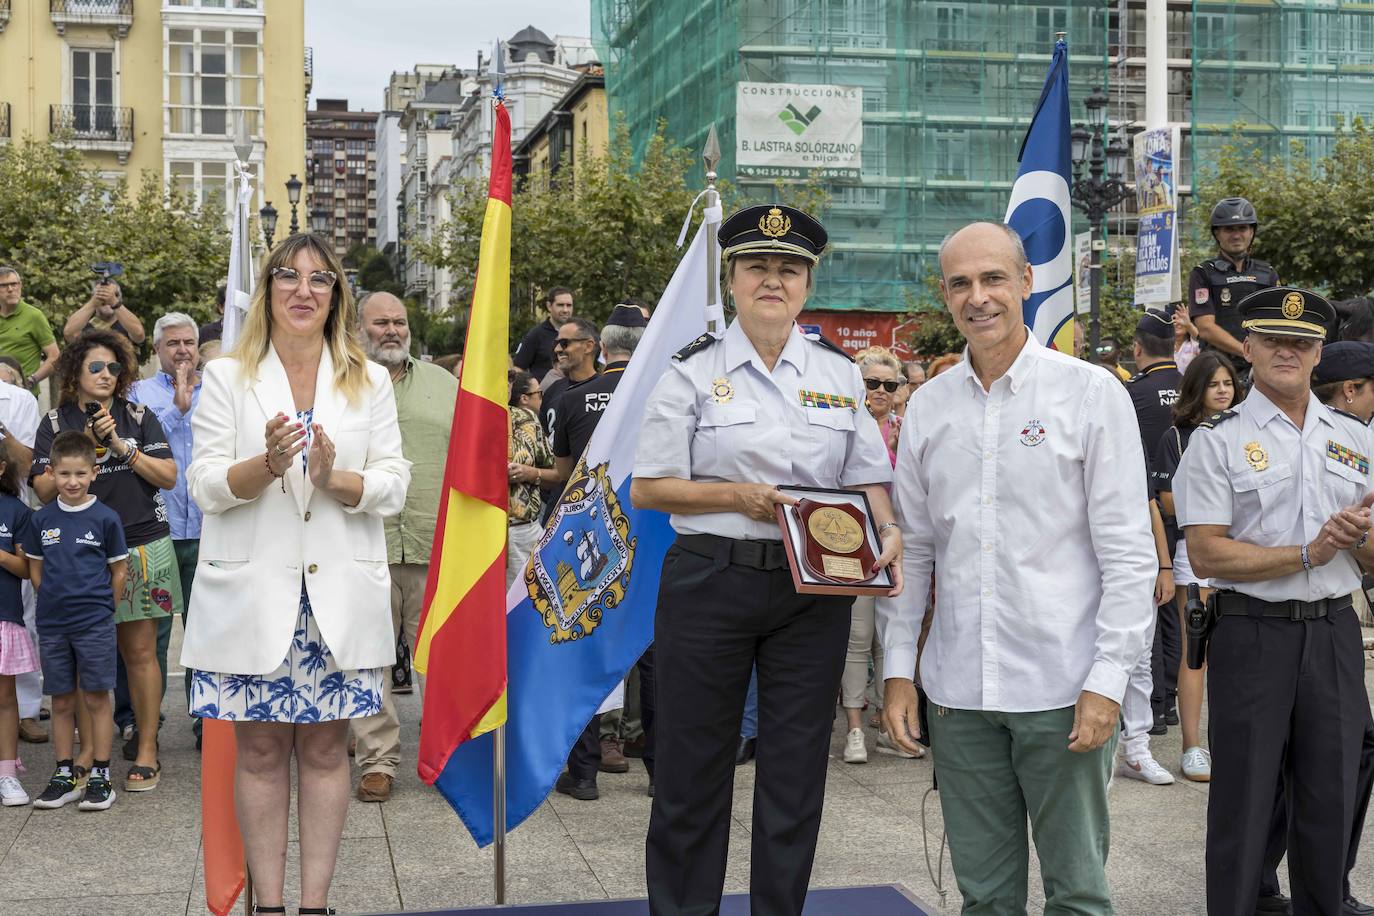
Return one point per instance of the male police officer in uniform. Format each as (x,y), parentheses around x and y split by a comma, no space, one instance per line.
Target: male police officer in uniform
(1154,391)
(1216,286)
(1274,499)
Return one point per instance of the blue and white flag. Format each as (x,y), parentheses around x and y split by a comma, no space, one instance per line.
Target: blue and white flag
(582,611)
(1041,211)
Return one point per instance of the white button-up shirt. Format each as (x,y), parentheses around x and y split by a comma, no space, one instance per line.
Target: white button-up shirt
(719,414)
(1028,501)
(1275,485)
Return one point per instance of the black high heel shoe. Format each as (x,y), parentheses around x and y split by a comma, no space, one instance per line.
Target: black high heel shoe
(317,911)
(259,908)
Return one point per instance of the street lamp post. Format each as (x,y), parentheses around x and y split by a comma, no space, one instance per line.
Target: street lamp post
(293,194)
(1103,188)
(268,216)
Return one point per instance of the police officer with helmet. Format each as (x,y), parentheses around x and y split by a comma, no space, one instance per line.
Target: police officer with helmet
(1217,285)
(729,421)
(1274,499)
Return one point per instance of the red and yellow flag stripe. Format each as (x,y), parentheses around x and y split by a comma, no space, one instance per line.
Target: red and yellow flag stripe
(461,647)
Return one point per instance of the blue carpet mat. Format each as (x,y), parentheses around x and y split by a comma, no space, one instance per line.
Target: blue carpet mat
(883,900)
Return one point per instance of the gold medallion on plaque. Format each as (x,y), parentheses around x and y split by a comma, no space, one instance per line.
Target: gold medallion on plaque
(835,529)
(1257,456)
(1293,305)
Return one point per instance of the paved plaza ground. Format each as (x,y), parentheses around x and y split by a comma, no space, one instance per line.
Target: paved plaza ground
(142,858)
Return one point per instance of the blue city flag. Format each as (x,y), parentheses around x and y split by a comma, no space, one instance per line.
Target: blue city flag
(582,611)
(1041,209)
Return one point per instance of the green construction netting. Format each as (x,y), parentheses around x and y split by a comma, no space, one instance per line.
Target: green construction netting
(948,89)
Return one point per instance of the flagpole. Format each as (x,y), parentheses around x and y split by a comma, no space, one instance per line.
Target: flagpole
(499,805)
(715,312)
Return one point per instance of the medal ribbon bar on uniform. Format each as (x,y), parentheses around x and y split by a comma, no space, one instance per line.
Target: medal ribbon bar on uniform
(820,399)
(1345,456)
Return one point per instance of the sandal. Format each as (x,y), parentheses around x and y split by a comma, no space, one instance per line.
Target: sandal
(317,911)
(146,781)
(259,908)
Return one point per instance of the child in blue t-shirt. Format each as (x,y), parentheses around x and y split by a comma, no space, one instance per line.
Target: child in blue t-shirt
(77,560)
(17,655)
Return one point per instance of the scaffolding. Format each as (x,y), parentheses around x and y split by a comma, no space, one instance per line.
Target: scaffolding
(949,88)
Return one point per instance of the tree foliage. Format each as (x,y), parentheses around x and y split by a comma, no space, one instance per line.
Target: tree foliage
(58,216)
(607,228)
(1316,214)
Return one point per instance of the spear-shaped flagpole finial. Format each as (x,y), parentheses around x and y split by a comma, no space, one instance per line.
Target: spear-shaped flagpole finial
(711,156)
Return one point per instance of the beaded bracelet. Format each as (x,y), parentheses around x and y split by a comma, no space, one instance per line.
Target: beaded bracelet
(282,476)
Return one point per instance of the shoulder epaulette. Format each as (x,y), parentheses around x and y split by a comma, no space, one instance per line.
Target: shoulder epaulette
(1135,378)
(1216,419)
(696,346)
(1347,414)
(822,341)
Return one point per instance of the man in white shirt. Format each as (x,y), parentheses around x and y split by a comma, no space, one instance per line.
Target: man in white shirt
(1020,482)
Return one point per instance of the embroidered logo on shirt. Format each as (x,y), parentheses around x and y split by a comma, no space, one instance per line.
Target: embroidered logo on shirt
(1202,295)
(1347,456)
(1256,456)
(1033,433)
(51,536)
(722,390)
(4,530)
(819,399)
(89,539)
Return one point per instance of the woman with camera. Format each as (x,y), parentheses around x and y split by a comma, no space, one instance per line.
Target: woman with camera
(135,464)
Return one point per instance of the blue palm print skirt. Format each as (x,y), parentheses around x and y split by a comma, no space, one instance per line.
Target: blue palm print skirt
(307,687)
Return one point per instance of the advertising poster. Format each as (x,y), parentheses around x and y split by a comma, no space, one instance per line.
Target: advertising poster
(792,130)
(1156,253)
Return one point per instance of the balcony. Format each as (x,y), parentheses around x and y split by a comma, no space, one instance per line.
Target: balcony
(117,14)
(102,128)
(4,14)
(4,119)
(309,70)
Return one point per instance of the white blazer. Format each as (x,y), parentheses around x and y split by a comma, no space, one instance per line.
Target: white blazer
(254,552)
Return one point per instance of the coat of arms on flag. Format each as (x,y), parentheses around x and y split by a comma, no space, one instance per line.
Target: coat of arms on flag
(582,566)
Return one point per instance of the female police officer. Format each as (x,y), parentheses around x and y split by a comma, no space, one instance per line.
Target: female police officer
(730,420)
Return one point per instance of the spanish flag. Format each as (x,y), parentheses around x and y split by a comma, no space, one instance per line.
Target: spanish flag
(461,647)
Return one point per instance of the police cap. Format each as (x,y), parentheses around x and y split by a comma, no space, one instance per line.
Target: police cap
(772,229)
(1234,211)
(1344,360)
(1155,324)
(626,316)
(1286,311)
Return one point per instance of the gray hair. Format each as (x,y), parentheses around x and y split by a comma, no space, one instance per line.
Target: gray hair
(617,338)
(1016,243)
(172,320)
(6,270)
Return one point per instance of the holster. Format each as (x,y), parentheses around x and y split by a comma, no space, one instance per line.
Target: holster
(1199,619)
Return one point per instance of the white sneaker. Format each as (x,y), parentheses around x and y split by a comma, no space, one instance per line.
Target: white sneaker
(1146,770)
(854,749)
(127,732)
(887,746)
(12,794)
(1197,764)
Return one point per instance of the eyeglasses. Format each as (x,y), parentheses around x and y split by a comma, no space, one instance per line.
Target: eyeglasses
(13,284)
(565,342)
(95,367)
(321,281)
(536,393)
(872,384)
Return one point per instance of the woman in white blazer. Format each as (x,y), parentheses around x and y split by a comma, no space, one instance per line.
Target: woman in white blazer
(297,458)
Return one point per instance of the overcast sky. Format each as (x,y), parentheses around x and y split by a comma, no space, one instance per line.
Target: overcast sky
(358,43)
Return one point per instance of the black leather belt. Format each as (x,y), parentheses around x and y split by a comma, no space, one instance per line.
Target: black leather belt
(765,555)
(1238,605)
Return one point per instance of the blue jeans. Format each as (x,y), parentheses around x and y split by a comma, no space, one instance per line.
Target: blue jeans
(749,725)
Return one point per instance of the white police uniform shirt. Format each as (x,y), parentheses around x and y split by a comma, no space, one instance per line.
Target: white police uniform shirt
(1275,485)
(1028,501)
(719,415)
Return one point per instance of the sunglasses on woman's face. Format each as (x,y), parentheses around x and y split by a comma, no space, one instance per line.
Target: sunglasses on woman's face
(95,367)
(872,385)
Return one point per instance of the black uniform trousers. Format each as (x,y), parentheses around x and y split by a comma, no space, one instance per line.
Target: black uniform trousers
(1166,654)
(1287,700)
(715,621)
(1364,787)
